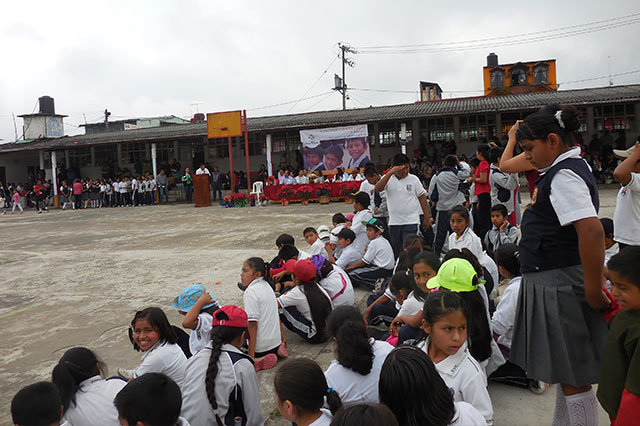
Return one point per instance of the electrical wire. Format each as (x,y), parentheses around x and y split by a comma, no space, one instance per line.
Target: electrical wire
(290,102)
(313,85)
(320,101)
(600,78)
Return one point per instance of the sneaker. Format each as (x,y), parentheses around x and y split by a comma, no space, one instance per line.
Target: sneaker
(266,362)
(242,287)
(127,374)
(282,350)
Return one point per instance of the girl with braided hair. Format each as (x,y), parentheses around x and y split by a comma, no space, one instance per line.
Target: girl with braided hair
(220,385)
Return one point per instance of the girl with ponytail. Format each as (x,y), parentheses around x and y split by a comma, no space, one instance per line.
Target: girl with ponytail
(355,372)
(220,385)
(86,397)
(301,391)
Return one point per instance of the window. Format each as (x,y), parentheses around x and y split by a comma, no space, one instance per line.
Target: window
(80,157)
(473,128)
(255,145)
(218,148)
(613,117)
(518,77)
(440,129)
(164,152)
(387,138)
(497,78)
(133,153)
(105,155)
(541,73)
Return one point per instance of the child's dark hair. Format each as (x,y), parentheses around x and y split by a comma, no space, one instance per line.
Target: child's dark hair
(158,321)
(369,171)
(543,122)
(626,263)
(319,306)
(309,229)
(288,251)
(607,225)
(258,265)
(152,398)
(441,303)
(405,260)
(508,256)
(407,371)
(353,349)
(500,208)
(338,218)
(347,234)
(428,258)
(466,254)
(483,149)
(75,366)
(413,240)
(302,382)
(400,159)
(364,415)
(285,239)
(36,404)
(494,155)
(462,211)
(404,281)
(450,161)
(474,162)
(220,335)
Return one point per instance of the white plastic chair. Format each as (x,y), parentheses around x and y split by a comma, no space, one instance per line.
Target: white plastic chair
(257,189)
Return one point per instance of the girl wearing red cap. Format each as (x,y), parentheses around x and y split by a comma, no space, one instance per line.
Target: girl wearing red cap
(305,308)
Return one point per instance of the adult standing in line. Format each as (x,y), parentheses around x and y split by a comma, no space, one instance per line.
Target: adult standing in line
(405,198)
(163,182)
(215,183)
(187,181)
(482,220)
(77,194)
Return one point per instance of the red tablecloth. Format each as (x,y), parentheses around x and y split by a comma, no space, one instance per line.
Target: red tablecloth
(272,192)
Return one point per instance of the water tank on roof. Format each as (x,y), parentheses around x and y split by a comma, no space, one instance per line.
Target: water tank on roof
(492,60)
(46,105)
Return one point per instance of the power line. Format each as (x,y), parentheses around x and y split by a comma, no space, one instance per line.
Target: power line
(600,78)
(320,101)
(316,82)
(290,102)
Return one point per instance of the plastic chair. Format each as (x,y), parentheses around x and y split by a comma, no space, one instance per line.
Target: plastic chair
(257,189)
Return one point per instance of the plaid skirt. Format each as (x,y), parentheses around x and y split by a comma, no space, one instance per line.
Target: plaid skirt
(557,337)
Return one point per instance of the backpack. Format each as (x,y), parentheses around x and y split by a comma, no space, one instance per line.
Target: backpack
(503,193)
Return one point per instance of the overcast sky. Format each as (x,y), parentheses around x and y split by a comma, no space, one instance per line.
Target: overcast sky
(150,58)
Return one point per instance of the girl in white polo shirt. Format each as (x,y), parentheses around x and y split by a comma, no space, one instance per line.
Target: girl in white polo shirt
(445,322)
(86,397)
(355,372)
(151,333)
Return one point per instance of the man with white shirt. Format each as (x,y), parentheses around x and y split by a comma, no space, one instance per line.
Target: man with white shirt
(406,197)
(202,170)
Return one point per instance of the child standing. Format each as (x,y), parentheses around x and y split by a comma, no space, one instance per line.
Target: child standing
(626,218)
(16,202)
(220,385)
(86,397)
(197,305)
(266,337)
(561,257)
(463,236)
(619,385)
(301,391)
(482,190)
(377,262)
(445,323)
(502,232)
(151,333)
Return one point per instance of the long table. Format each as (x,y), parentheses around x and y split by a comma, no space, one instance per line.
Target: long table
(272,192)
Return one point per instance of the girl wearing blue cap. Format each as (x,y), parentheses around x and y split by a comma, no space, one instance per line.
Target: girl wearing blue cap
(197,306)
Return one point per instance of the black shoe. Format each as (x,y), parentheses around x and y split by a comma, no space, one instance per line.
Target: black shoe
(242,287)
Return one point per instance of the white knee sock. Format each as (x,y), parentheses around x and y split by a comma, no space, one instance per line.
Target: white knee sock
(583,408)
(561,415)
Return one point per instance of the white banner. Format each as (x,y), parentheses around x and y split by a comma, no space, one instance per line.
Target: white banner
(327,149)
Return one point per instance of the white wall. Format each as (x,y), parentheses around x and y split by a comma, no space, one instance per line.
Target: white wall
(16,164)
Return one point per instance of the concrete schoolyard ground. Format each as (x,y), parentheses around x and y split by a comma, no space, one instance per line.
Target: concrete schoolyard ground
(75,278)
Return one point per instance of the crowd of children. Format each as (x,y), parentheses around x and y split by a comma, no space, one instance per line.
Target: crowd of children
(478,300)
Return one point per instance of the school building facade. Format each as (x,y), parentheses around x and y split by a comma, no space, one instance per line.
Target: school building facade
(465,120)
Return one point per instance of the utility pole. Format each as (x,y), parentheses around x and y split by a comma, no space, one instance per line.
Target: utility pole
(340,83)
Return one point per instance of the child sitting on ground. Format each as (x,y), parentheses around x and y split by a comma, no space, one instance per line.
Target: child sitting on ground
(316,246)
(220,383)
(338,220)
(349,252)
(619,384)
(197,305)
(463,236)
(151,333)
(378,261)
(502,232)
(363,215)
(151,399)
(37,404)
(266,337)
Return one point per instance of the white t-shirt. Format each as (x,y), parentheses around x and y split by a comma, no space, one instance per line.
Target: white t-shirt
(94,403)
(318,248)
(261,306)
(626,219)
(465,379)
(200,171)
(163,358)
(466,415)
(199,337)
(411,305)
(505,314)
(365,186)
(468,240)
(353,387)
(296,297)
(361,230)
(334,283)
(324,419)
(380,253)
(350,254)
(402,200)
(116,186)
(333,239)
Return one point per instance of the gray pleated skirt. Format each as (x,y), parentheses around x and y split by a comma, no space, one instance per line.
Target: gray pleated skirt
(557,337)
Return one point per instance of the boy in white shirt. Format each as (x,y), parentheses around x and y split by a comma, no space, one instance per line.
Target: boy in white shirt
(363,215)
(349,253)
(338,220)
(377,262)
(316,246)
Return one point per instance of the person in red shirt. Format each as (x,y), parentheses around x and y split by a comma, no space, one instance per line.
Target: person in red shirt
(39,192)
(77,194)
(483,191)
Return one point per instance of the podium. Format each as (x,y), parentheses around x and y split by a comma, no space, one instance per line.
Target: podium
(201,192)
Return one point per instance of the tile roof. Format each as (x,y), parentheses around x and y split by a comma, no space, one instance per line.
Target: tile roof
(444,107)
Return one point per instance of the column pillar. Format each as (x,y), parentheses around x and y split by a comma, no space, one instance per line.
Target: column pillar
(269,156)
(93,156)
(499,126)
(54,179)
(591,125)
(41,158)
(176,153)
(119,151)
(456,129)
